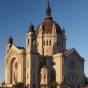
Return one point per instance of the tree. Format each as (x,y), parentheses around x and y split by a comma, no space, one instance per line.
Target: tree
(19,85)
(52,84)
(63,84)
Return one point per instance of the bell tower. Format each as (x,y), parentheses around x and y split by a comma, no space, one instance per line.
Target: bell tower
(31,40)
(31,58)
(9,44)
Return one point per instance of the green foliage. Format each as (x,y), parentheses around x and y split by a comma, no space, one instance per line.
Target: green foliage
(52,84)
(19,85)
(63,84)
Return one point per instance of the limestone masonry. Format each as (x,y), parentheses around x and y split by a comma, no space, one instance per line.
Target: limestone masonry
(45,57)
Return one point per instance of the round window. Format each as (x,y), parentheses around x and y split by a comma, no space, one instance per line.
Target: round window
(72,64)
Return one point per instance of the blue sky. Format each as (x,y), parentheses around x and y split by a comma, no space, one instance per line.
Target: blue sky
(17,15)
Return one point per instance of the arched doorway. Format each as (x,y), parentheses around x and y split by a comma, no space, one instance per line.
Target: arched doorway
(13,71)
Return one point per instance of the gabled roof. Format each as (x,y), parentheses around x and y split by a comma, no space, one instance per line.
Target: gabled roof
(16,49)
(20,47)
(72,50)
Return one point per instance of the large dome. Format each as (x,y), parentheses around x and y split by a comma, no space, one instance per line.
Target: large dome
(47,27)
(48,22)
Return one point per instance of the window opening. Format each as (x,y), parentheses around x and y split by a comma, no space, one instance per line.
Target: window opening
(44,42)
(47,42)
(34,43)
(50,42)
(28,41)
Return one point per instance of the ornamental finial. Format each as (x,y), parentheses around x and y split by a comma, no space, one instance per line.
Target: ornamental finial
(48,2)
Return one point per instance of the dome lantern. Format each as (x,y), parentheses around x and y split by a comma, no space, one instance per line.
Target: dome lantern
(48,12)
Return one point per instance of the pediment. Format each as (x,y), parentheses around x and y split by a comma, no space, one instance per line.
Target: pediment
(73,52)
(14,51)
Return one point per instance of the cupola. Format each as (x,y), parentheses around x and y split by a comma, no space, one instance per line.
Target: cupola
(10,40)
(48,12)
(31,28)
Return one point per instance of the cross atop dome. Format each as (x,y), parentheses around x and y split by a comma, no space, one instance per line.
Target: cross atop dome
(48,2)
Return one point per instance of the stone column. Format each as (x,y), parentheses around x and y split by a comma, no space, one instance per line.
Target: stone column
(19,71)
(6,73)
(9,74)
(22,69)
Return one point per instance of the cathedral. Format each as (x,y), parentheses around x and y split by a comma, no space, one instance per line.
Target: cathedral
(44,57)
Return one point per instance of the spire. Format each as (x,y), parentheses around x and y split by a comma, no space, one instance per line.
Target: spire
(48,12)
(48,2)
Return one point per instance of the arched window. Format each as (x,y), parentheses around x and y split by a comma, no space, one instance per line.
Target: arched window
(28,41)
(44,42)
(50,42)
(34,43)
(47,42)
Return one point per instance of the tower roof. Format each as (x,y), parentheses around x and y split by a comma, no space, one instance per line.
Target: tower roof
(10,40)
(31,28)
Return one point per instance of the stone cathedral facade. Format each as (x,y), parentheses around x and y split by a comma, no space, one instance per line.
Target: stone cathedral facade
(45,57)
